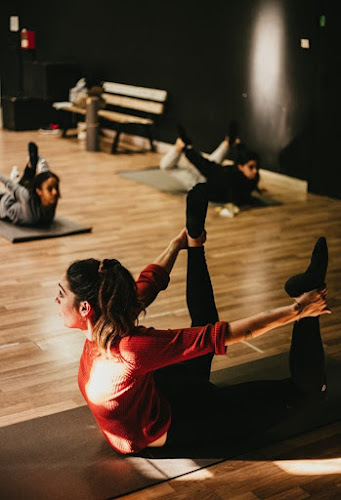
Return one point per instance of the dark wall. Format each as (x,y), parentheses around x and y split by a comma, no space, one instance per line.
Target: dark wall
(324,177)
(220,61)
(10,54)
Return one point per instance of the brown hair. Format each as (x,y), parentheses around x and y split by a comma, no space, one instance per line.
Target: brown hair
(111,291)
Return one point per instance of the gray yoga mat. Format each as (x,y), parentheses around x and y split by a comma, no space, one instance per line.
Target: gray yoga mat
(59,227)
(159,179)
(64,456)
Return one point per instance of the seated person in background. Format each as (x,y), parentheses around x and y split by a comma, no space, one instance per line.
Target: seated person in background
(230,184)
(33,200)
(86,88)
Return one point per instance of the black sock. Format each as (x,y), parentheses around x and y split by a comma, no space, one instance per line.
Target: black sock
(183,135)
(314,276)
(232,133)
(33,154)
(196,208)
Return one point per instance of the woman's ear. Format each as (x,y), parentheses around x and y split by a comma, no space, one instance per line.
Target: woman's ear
(85,309)
(39,192)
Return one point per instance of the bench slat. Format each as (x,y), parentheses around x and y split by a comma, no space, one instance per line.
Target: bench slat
(73,109)
(114,116)
(129,102)
(132,91)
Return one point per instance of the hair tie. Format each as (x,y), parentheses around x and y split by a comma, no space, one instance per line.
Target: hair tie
(101,267)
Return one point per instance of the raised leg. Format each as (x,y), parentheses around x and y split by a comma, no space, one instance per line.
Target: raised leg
(204,165)
(219,154)
(306,351)
(199,291)
(171,158)
(306,358)
(30,169)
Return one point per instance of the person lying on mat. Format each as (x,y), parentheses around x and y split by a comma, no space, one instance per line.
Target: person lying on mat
(231,185)
(150,388)
(32,201)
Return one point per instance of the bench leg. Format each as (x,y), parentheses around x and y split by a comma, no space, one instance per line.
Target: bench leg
(150,137)
(114,144)
(67,121)
(63,122)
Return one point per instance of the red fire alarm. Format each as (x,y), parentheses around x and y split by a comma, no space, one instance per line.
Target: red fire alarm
(28,39)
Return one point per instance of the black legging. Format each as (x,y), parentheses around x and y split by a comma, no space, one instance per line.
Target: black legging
(28,176)
(201,306)
(203,414)
(225,184)
(219,179)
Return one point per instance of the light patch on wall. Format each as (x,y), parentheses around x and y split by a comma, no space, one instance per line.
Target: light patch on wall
(267,55)
(14,23)
(269,90)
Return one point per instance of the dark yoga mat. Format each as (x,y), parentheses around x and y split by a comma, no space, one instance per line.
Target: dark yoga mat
(59,227)
(159,179)
(64,456)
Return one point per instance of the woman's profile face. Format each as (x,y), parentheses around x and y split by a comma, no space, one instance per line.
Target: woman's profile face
(49,192)
(68,310)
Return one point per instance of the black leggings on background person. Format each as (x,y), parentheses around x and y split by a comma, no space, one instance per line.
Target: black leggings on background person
(225,184)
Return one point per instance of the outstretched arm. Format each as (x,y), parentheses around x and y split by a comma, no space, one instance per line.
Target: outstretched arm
(309,304)
(155,277)
(167,258)
(19,192)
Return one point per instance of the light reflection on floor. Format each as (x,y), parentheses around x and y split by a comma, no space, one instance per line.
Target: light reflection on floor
(310,467)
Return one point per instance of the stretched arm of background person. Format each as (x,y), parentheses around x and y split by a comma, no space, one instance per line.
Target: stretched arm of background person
(19,192)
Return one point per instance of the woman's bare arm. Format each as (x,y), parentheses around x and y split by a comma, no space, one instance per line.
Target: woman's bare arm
(168,257)
(312,303)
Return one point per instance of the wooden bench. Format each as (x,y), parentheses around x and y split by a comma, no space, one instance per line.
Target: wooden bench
(126,107)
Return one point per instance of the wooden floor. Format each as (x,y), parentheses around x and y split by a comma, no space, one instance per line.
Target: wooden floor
(249,257)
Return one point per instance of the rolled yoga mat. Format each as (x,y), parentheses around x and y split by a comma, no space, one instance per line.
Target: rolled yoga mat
(64,456)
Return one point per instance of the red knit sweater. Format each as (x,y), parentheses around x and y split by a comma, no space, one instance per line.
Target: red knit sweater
(121,392)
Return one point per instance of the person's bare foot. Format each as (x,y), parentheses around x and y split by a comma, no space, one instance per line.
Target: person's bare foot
(227,141)
(183,135)
(181,240)
(179,145)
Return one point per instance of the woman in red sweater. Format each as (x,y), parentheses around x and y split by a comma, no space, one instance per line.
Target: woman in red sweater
(150,388)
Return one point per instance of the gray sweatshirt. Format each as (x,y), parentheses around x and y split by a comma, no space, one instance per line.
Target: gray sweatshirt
(18,205)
